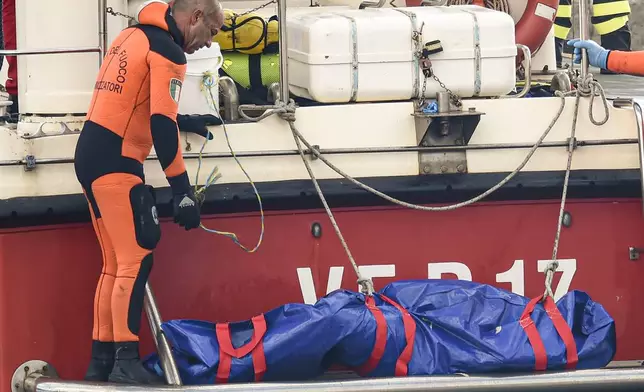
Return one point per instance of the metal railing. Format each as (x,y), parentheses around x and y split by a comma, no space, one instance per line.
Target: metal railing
(102,39)
(100,49)
(583,35)
(230,97)
(283,47)
(170,370)
(639,120)
(102,28)
(628,379)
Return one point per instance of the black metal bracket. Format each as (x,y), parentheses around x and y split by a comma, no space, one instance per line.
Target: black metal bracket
(446,128)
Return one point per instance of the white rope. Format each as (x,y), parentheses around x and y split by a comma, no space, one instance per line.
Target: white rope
(287,112)
(589,87)
(279,109)
(554,263)
(208,81)
(586,87)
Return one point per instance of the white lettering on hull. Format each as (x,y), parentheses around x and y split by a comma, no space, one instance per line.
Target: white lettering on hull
(436,270)
(515,275)
(568,268)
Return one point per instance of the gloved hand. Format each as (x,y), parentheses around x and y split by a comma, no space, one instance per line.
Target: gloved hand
(597,56)
(186,210)
(197,123)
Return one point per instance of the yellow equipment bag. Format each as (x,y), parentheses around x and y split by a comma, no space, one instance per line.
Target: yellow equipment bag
(252,71)
(249,33)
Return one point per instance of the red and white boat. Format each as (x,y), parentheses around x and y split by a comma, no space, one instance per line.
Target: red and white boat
(50,258)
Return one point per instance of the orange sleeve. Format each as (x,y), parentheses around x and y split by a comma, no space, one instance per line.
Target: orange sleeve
(167,72)
(631,63)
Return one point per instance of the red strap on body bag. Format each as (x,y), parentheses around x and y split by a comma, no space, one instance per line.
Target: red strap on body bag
(381,338)
(255,347)
(540,356)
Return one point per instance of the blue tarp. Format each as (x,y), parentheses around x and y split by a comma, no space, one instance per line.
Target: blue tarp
(452,326)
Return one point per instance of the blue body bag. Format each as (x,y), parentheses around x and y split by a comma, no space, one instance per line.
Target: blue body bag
(418,327)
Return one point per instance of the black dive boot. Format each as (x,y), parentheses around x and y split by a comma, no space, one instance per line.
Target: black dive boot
(102,361)
(128,368)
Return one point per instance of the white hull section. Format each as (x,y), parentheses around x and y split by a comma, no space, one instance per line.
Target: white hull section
(377,125)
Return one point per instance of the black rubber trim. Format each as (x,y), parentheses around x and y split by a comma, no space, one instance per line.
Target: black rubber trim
(138,294)
(300,194)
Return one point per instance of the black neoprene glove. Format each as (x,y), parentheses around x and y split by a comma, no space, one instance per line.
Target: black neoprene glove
(197,123)
(186,210)
(184,203)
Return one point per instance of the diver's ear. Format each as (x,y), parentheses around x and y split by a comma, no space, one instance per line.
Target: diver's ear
(197,15)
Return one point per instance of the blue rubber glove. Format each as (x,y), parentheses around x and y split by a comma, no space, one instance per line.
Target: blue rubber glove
(597,56)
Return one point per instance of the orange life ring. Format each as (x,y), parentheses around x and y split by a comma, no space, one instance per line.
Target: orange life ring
(535,24)
(533,27)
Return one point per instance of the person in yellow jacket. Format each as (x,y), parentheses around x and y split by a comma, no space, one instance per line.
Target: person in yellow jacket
(610,19)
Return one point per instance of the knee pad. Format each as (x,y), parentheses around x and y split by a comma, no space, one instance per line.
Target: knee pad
(146,219)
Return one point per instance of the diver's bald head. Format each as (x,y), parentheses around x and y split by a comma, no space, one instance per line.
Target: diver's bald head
(207,6)
(198,20)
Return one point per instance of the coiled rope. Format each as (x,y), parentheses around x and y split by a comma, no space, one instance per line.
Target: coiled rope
(588,86)
(208,81)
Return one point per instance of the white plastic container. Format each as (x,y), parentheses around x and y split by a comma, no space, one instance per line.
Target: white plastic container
(194,99)
(367,55)
(59,83)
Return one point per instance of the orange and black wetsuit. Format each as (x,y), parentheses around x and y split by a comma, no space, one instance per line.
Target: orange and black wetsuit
(631,63)
(134,107)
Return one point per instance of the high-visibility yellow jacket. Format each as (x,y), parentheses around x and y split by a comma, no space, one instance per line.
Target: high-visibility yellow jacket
(608,16)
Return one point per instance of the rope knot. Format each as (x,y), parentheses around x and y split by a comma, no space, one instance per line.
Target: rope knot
(286,111)
(550,273)
(552,266)
(585,85)
(366,286)
(589,87)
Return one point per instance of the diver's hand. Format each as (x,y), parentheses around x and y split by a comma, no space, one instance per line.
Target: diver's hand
(186,210)
(197,123)
(597,56)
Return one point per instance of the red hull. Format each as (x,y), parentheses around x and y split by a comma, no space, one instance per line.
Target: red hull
(48,274)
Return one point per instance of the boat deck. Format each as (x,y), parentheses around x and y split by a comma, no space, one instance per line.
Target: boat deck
(626,86)
(621,85)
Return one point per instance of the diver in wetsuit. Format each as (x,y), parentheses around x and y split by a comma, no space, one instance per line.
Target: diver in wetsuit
(134,107)
(617,61)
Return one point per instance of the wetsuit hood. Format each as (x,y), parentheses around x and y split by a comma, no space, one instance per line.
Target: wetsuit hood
(159,14)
